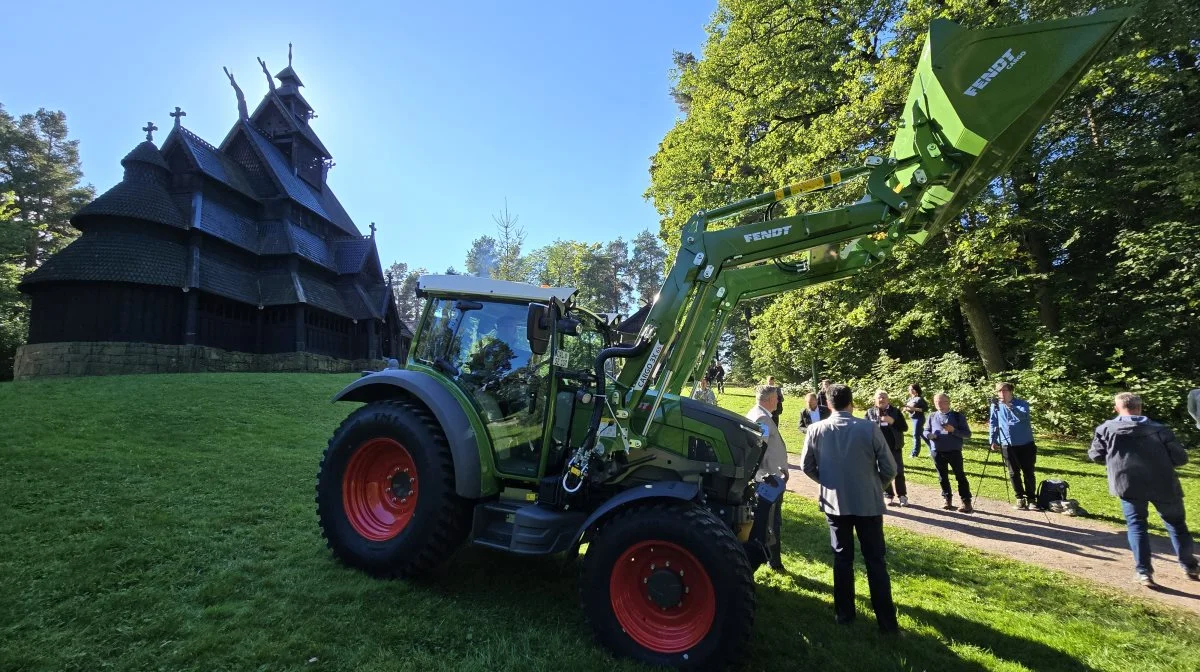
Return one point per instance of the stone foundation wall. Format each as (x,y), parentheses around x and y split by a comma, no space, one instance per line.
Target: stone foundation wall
(42,360)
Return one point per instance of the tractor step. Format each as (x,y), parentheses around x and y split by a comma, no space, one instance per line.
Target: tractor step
(524,528)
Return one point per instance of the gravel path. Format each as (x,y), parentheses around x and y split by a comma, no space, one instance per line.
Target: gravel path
(1089,549)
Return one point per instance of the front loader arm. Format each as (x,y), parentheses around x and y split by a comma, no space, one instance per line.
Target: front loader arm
(976,100)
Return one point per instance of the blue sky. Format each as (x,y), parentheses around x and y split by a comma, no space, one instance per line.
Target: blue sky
(434,112)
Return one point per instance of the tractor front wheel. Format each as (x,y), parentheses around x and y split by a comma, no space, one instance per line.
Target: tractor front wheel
(385,492)
(668,584)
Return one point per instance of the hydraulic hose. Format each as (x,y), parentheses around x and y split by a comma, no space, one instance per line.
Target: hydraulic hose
(623,351)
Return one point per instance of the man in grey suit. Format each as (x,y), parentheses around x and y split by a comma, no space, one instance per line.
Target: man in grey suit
(849,458)
(774,463)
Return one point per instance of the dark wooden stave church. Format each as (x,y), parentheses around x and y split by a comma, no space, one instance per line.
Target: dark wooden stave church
(242,247)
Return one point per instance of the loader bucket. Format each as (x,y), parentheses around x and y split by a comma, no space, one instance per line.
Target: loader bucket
(979,96)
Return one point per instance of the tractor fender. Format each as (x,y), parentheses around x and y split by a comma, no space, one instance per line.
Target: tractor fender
(679,490)
(464,446)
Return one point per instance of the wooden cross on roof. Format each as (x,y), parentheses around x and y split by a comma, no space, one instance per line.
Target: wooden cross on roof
(372,229)
(150,128)
(179,115)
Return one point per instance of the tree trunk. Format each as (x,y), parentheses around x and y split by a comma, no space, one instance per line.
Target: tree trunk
(960,329)
(1024,181)
(986,340)
(1047,306)
(31,250)
(1091,124)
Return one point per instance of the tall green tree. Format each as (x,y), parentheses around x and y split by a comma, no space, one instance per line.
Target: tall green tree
(404,291)
(12,307)
(39,165)
(482,258)
(39,191)
(644,272)
(785,90)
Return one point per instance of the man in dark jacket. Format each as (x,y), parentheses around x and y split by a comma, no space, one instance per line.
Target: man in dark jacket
(1141,456)
(812,413)
(946,431)
(894,428)
(778,398)
(916,406)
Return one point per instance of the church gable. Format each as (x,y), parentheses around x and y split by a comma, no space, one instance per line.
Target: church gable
(259,176)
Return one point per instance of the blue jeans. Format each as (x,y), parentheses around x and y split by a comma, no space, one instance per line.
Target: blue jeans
(918,437)
(1172,516)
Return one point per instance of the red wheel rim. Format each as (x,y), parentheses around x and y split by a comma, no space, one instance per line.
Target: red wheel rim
(663,629)
(379,489)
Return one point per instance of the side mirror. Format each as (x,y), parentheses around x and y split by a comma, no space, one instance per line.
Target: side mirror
(537,327)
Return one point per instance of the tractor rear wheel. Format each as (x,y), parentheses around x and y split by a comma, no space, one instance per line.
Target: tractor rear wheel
(385,492)
(668,584)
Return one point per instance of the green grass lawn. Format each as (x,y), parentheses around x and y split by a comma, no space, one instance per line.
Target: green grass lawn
(1057,458)
(167,523)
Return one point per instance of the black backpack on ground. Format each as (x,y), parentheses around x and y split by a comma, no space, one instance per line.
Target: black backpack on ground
(1051,490)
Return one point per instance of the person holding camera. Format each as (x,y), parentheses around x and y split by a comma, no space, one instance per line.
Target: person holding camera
(946,432)
(893,426)
(1011,432)
(1141,456)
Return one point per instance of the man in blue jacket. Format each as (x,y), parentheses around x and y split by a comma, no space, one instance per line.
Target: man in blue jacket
(1141,456)
(946,431)
(1011,433)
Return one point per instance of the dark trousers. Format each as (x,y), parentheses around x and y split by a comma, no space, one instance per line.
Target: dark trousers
(776,547)
(947,461)
(1019,461)
(768,517)
(870,535)
(900,489)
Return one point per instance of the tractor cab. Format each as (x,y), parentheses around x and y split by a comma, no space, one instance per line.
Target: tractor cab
(521,355)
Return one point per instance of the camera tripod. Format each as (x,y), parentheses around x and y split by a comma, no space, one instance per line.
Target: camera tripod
(979,487)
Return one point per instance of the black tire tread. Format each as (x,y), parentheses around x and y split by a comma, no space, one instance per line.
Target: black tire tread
(452,517)
(738,629)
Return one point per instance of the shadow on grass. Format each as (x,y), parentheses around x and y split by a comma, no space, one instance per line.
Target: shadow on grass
(794,627)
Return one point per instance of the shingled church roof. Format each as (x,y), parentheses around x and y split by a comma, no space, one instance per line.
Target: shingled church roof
(116,256)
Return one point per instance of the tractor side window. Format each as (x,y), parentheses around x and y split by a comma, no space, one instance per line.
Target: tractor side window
(483,347)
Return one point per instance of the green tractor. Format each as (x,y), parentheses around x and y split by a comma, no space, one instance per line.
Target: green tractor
(523,423)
